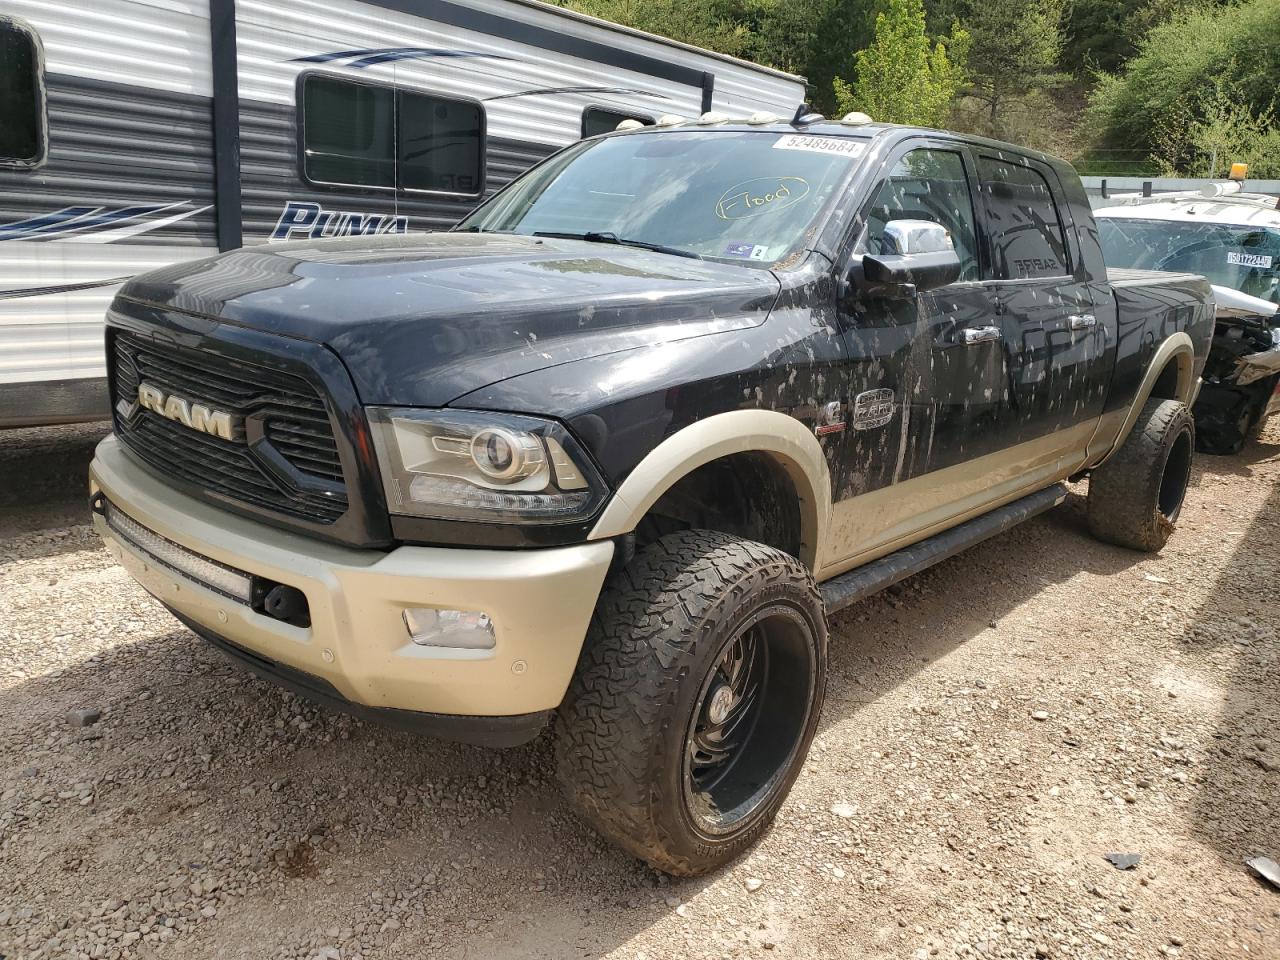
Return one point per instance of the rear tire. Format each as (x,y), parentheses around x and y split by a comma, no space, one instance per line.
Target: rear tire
(1226,432)
(695,699)
(1136,496)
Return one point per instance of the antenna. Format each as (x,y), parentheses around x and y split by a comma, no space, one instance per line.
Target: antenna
(805,115)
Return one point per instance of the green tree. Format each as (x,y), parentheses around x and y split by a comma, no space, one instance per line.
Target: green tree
(1219,131)
(714,24)
(809,37)
(1013,55)
(1207,77)
(900,78)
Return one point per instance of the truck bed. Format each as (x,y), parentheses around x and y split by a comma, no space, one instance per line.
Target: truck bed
(1127,277)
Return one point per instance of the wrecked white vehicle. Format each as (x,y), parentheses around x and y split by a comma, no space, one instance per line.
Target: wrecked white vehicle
(1233,239)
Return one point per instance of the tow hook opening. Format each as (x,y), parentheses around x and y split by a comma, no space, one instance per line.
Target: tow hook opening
(281,602)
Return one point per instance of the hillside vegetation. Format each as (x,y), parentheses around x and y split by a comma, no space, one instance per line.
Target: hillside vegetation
(1116,86)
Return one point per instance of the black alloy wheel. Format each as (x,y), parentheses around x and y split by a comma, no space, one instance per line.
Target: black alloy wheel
(695,700)
(731,756)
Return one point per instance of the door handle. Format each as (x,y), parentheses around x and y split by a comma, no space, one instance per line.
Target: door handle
(972,335)
(1082,321)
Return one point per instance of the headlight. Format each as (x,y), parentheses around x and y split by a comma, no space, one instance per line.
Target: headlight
(470,465)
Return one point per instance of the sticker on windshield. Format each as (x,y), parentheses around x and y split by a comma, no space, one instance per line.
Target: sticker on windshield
(747,251)
(1249,259)
(840,146)
(751,198)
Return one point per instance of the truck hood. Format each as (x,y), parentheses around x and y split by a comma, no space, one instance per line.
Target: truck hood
(1233,303)
(421,320)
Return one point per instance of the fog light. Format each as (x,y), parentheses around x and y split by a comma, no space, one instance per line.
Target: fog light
(460,629)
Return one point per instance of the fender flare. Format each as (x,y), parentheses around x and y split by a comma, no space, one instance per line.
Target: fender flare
(1177,348)
(792,446)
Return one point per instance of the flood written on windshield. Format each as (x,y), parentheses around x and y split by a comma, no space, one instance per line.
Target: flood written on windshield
(744,197)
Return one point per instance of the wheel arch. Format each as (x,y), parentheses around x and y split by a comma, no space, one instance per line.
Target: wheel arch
(1171,375)
(780,437)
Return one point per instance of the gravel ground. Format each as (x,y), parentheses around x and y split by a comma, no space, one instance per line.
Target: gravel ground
(994,728)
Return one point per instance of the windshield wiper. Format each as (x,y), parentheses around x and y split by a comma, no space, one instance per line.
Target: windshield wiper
(605,236)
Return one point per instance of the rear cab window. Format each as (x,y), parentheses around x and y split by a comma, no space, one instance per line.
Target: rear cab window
(1024,223)
(22,102)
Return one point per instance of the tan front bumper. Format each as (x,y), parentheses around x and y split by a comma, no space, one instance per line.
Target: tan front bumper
(540,602)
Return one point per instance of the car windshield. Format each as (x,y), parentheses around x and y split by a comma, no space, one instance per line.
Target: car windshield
(1243,258)
(747,197)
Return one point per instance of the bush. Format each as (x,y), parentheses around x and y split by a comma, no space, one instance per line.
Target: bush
(1207,78)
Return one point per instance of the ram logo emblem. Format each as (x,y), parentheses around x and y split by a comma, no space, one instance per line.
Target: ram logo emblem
(195,416)
(873,408)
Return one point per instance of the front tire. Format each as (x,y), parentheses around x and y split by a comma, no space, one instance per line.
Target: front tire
(1136,496)
(695,699)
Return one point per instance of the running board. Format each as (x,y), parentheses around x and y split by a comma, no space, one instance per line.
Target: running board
(862,582)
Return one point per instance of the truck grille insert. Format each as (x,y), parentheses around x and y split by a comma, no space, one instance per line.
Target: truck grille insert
(289,412)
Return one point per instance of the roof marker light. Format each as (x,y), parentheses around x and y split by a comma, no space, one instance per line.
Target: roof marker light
(1211,190)
(714,116)
(856,119)
(630,124)
(670,120)
(762,116)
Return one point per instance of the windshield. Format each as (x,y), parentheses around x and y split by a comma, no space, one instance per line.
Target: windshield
(737,197)
(1240,257)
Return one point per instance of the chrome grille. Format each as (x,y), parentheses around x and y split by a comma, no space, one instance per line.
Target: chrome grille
(294,423)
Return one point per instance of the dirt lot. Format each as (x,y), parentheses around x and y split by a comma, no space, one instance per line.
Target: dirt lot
(993,730)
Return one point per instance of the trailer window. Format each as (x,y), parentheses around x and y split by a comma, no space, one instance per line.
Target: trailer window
(1027,239)
(348,132)
(598,120)
(441,144)
(21,97)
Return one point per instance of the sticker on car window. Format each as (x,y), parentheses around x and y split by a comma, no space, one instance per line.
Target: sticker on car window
(840,146)
(747,251)
(760,195)
(1249,259)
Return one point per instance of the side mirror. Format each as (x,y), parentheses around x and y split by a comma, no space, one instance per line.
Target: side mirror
(917,255)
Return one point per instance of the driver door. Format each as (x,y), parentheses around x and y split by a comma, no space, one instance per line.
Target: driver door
(937,360)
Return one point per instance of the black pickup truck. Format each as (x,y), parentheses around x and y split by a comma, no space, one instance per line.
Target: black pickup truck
(612,450)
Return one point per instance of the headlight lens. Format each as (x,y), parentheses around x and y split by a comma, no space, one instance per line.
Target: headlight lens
(472,465)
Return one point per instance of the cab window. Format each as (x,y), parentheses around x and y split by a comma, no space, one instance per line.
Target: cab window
(21,97)
(1025,228)
(928,184)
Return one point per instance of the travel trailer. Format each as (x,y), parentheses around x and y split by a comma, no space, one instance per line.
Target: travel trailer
(137,133)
